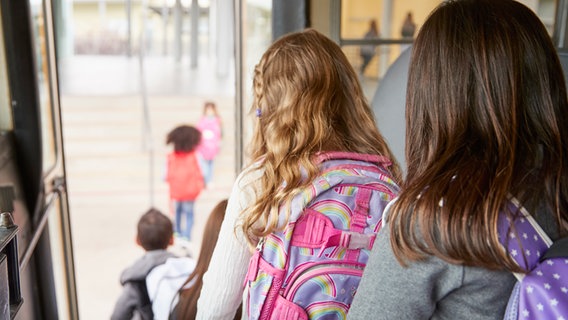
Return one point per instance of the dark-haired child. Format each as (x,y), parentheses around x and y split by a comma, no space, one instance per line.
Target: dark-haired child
(154,234)
(184,176)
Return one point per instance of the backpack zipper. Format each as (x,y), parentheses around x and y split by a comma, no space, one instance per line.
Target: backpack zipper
(270,299)
(375,187)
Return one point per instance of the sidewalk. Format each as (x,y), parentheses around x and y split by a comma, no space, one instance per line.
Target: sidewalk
(110,170)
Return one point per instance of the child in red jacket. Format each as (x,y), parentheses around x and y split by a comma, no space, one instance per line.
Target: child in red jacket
(184,176)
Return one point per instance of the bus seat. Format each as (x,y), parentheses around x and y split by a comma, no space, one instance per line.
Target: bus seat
(563,56)
(389,104)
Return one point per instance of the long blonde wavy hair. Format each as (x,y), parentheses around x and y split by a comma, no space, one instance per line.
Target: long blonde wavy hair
(308,100)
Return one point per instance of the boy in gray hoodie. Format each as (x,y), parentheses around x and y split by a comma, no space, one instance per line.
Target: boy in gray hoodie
(155,234)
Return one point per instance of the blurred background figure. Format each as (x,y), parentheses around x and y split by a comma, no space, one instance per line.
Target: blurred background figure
(184,177)
(154,234)
(408,29)
(211,134)
(368,51)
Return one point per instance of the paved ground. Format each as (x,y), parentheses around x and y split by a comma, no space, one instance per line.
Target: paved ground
(113,176)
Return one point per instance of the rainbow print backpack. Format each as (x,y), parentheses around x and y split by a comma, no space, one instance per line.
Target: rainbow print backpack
(313,267)
(541,293)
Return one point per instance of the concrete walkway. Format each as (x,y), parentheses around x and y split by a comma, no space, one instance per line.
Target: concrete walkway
(113,175)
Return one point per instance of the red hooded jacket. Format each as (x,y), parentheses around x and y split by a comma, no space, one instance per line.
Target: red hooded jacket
(184,176)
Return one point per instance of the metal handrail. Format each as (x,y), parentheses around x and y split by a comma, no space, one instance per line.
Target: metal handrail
(146,126)
(377,41)
(39,229)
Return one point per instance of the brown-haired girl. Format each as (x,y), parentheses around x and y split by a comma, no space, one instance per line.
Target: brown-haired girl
(189,292)
(486,117)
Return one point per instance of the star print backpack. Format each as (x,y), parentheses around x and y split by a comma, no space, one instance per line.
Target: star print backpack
(311,270)
(541,293)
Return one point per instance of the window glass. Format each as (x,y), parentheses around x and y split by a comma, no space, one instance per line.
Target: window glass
(257,37)
(5,109)
(546,11)
(42,68)
(396,23)
(383,29)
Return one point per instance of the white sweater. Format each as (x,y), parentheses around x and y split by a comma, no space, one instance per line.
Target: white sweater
(223,283)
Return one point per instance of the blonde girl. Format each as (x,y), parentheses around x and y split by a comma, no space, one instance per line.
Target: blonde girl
(307,100)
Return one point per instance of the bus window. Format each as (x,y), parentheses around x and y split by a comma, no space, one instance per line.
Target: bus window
(42,68)
(387,26)
(5,109)
(256,24)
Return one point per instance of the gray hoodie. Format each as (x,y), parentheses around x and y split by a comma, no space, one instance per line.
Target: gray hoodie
(131,303)
(433,288)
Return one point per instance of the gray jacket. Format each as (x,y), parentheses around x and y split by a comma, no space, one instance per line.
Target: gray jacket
(431,289)
(132,304)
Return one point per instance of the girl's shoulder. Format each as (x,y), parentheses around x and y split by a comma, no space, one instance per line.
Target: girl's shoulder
(251,173)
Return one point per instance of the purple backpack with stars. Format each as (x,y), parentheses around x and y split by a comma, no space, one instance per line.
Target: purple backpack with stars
(312,268)
(541,293)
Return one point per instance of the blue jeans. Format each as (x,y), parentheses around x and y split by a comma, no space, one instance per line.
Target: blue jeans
(207,168)
(184,211)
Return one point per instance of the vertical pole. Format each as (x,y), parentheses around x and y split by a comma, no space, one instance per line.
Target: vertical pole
(335,21)
(102,23)
(385,32)
(194,33)
(146,124)
(129,28)
(224,36)
(165,17)
(178,30)
(560,25)
(288,16)
(239,90)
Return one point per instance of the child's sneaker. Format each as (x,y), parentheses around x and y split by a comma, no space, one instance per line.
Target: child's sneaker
(183,242)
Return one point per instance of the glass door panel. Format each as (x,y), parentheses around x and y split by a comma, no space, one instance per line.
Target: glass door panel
(42,68)
(5,108)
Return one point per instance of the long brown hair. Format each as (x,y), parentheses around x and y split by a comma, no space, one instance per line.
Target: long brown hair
(486,117)
(308,99)
(187,305)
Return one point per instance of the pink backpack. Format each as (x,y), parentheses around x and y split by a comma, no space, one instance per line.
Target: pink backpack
(313,267)
(210,144)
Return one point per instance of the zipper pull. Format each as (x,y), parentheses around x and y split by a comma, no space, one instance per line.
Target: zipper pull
(254,261)
(260,244)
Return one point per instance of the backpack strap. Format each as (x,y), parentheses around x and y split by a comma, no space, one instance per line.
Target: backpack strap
(559,249)
(314,230)
(144,306)
(523,239)
(359,218)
